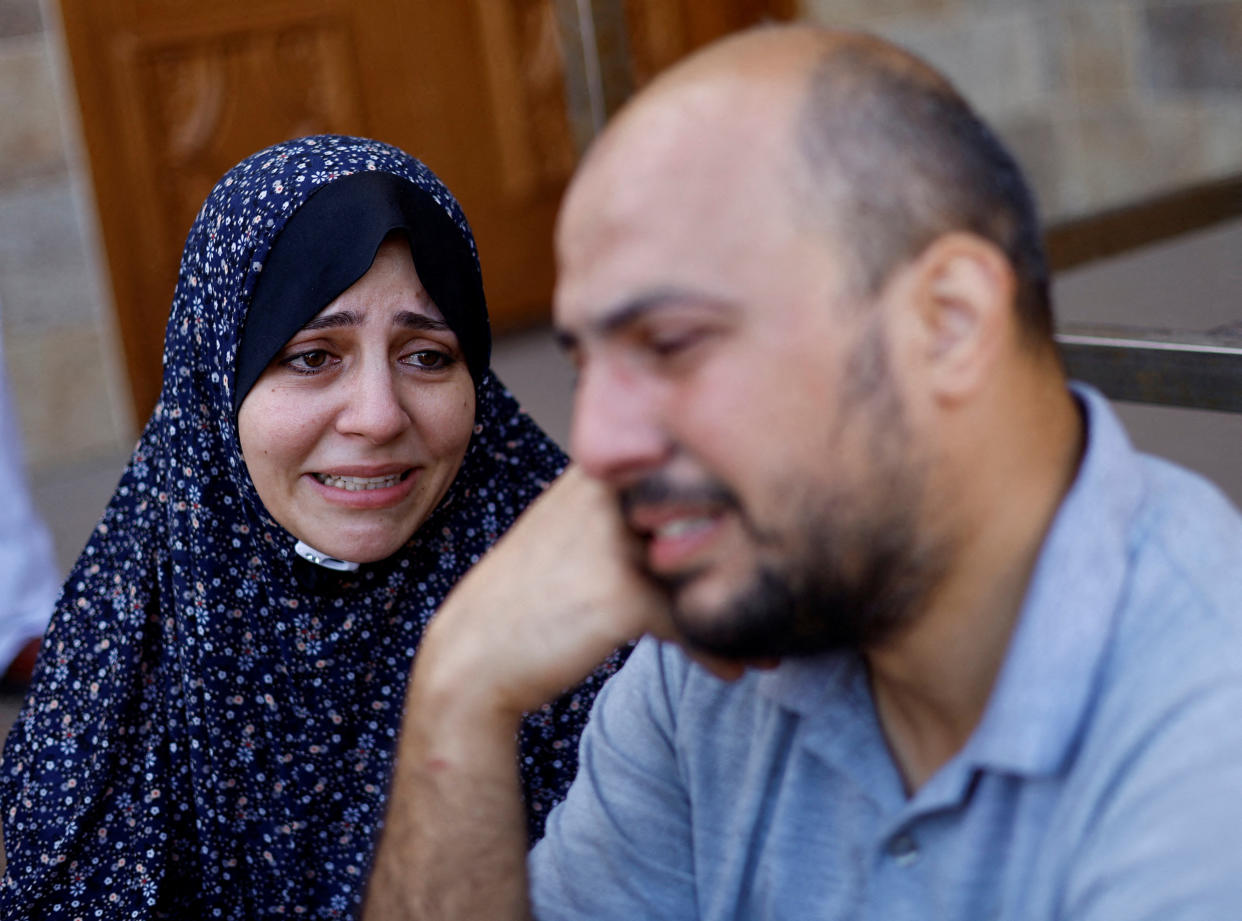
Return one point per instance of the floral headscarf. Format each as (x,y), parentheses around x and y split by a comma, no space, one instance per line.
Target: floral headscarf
(211,726)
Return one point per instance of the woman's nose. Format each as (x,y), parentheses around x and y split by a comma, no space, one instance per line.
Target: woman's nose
(372,404)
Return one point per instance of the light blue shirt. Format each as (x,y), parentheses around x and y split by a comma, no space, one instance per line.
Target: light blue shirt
(1103,782)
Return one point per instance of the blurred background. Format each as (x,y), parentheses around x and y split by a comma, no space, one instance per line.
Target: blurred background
(116,117)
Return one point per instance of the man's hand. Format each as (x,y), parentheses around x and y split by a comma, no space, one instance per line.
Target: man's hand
(550,601)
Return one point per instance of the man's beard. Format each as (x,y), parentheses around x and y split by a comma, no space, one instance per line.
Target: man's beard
(855,566)
(846,588)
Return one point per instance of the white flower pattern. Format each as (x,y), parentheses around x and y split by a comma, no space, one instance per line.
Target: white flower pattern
(211,724)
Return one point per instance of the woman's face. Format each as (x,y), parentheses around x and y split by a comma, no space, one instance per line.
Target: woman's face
(355,431)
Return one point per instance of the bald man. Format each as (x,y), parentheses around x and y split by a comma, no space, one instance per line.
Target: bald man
(924,637)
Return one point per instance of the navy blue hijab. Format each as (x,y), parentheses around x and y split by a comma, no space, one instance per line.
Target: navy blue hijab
(211,725)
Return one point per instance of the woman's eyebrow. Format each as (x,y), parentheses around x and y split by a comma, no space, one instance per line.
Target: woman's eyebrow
(407,319)
(335,320)
(411,320)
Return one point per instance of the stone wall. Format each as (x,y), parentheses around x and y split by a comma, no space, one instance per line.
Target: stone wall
(63,364)
(1105,102)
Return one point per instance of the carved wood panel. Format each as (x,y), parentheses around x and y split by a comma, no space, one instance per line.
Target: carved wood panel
(658,36)
(490,93)
(524,60)
(192,102)
(173,94)
(661,31)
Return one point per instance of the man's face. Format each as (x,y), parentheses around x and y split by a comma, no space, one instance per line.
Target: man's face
(743,410)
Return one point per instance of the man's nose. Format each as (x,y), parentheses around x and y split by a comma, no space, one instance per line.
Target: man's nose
(373,406)
(617,432)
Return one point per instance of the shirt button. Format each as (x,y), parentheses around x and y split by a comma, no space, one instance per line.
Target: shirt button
(903,849)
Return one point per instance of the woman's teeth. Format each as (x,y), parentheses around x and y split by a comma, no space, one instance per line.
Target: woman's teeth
(356,483)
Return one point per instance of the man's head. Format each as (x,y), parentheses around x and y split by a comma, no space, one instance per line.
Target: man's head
(779,268)
(895,158)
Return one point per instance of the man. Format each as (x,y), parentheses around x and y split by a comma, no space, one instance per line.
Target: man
(933,641)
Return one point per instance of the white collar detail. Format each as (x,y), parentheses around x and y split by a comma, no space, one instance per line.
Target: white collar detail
(307,552)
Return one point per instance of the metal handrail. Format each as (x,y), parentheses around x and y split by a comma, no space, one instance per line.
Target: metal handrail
(1197,370)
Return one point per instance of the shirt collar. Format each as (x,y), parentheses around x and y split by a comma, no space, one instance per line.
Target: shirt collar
(1044,688)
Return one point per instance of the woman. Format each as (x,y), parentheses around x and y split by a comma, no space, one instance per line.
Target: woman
(211,724)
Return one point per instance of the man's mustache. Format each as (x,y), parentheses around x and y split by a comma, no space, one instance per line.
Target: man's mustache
(659,489)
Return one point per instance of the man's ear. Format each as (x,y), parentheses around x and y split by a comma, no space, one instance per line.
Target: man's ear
(959,300)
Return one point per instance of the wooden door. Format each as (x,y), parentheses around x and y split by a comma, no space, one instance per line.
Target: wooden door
(497,96)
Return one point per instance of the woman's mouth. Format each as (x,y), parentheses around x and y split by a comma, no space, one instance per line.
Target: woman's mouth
(361,483)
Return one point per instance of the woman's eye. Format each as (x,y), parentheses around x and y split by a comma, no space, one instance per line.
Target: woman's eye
(429,359)
(306,362)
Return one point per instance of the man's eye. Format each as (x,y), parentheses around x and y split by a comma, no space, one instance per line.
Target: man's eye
(670,344)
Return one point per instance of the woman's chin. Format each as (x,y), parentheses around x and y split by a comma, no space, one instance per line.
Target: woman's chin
(358,548)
